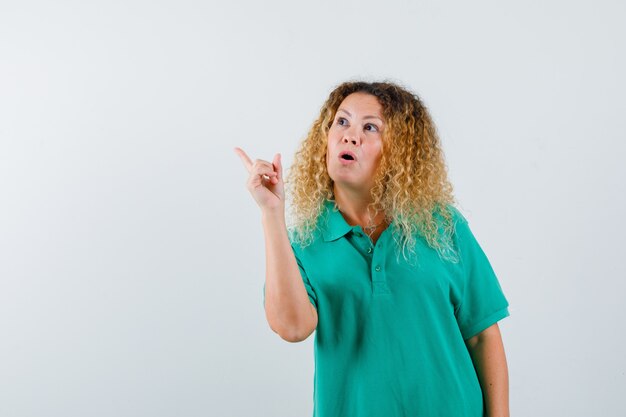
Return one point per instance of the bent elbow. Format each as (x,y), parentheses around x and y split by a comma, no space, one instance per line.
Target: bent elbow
(295,332)
(295,335)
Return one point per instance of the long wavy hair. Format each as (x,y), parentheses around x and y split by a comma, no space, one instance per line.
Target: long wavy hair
(410,185)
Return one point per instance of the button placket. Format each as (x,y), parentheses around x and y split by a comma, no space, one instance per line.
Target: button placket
(379,280)
(377,265)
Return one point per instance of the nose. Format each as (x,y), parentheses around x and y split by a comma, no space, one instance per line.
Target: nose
(351,137)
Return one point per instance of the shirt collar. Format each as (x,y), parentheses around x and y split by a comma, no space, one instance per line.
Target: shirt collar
(335,225)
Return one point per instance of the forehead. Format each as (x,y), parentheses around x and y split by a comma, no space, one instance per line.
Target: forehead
(362,103)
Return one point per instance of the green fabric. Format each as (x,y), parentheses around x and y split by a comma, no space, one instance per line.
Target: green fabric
(390,336)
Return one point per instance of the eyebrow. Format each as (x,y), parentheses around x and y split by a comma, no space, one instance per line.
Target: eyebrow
(366,117)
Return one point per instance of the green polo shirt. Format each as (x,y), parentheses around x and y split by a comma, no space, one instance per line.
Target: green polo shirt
(390,338)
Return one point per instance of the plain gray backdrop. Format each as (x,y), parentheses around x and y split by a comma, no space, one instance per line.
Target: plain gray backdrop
(132,256)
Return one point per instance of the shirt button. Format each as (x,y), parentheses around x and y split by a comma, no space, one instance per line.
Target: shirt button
(369,250)
(377,268)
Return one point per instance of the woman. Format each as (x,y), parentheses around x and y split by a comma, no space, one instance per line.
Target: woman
(381,265)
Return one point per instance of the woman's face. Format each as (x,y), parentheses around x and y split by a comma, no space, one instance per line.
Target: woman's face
(356,129)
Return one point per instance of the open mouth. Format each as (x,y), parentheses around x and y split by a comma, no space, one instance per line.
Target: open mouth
(347,156)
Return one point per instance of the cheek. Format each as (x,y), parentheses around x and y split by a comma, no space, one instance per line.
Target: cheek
(378,156)
(330,148)
(376,150)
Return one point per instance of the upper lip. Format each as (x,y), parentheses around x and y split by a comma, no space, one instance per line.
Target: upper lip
(347,153)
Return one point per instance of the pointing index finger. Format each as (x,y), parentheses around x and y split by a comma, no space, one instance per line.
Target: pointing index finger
(244,158)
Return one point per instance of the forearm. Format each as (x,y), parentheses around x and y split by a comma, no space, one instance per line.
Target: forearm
(287,305)
(489,359)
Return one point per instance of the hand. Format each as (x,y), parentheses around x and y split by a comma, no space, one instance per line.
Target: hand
(265,182)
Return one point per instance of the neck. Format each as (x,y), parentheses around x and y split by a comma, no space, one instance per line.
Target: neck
(354,207)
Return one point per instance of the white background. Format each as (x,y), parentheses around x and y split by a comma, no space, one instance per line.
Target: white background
(131,254)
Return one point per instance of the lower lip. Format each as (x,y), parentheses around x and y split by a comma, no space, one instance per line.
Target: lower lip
(347,161)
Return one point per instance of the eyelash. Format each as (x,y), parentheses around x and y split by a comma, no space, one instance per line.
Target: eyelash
(368,124)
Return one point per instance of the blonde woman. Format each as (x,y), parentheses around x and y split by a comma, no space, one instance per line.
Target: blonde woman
(381,265)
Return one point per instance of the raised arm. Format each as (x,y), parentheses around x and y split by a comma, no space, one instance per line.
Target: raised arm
(288,310)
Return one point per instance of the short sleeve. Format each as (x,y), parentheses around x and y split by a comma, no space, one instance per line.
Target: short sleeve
(482,301)
(305,279)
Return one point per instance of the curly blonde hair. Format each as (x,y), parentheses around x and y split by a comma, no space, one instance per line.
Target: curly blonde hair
(410,184)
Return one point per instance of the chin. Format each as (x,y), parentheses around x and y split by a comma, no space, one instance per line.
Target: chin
(344,181)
